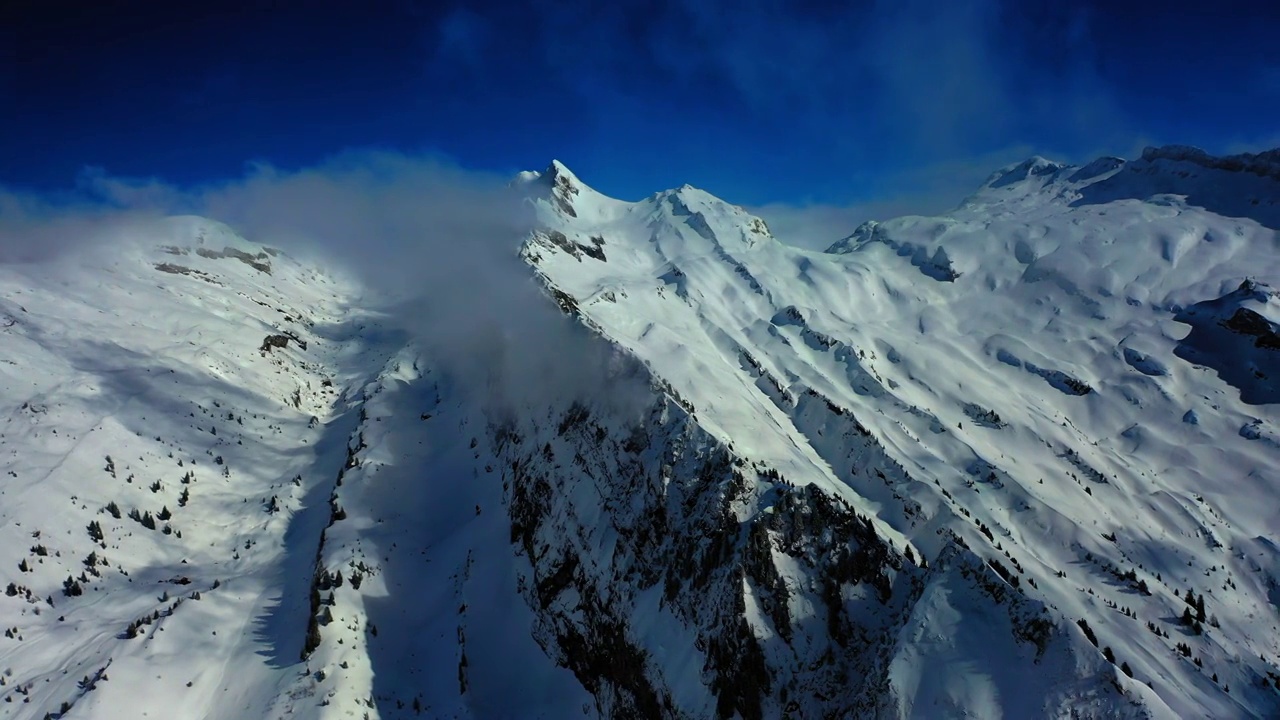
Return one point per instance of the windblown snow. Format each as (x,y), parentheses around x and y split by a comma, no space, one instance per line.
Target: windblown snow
(1021,460)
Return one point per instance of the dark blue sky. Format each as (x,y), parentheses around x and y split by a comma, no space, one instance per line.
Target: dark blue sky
(757,101)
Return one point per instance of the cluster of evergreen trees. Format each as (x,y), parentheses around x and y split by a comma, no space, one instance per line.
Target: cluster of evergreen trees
(1193,615)
(146,519)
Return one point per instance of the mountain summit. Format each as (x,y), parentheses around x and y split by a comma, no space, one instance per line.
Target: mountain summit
(1019,460)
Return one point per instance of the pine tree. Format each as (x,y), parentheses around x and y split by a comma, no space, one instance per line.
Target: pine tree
(1110,656)
(1200,608)
(1124,668)
(71,587)
(1088,631)
(313,639)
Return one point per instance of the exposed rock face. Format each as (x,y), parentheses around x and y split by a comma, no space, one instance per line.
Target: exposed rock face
(1248,322)
(785,600)
(1263,164)
(258,262)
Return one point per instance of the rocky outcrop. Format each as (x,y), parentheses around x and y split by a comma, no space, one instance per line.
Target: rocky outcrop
(281,341)
(677,579)
(258,262)
(1264,164)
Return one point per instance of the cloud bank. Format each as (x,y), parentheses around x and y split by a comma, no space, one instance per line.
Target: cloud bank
(433,245)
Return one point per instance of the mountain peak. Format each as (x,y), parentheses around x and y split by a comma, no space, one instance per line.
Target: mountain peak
(1033,167)
(556,173)
(560,176)
(559,180)
(557,168)
(562,194)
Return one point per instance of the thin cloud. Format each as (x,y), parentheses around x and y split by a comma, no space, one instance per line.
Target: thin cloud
(904,83)
(930,190)
(44,227)
(132,194)
(461,37)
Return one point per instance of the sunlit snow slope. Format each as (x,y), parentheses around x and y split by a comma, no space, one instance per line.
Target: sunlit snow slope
(155,448)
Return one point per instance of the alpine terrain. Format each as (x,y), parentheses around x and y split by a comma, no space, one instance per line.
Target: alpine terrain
(1021,460)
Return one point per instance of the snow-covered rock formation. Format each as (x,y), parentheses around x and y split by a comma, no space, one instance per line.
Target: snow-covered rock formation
(1015,461)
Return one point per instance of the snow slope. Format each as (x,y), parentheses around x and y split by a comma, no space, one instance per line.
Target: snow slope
(133,378)
(934,471)
(1022,365)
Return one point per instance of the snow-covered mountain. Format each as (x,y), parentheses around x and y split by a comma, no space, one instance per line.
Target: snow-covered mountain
(1021,460)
